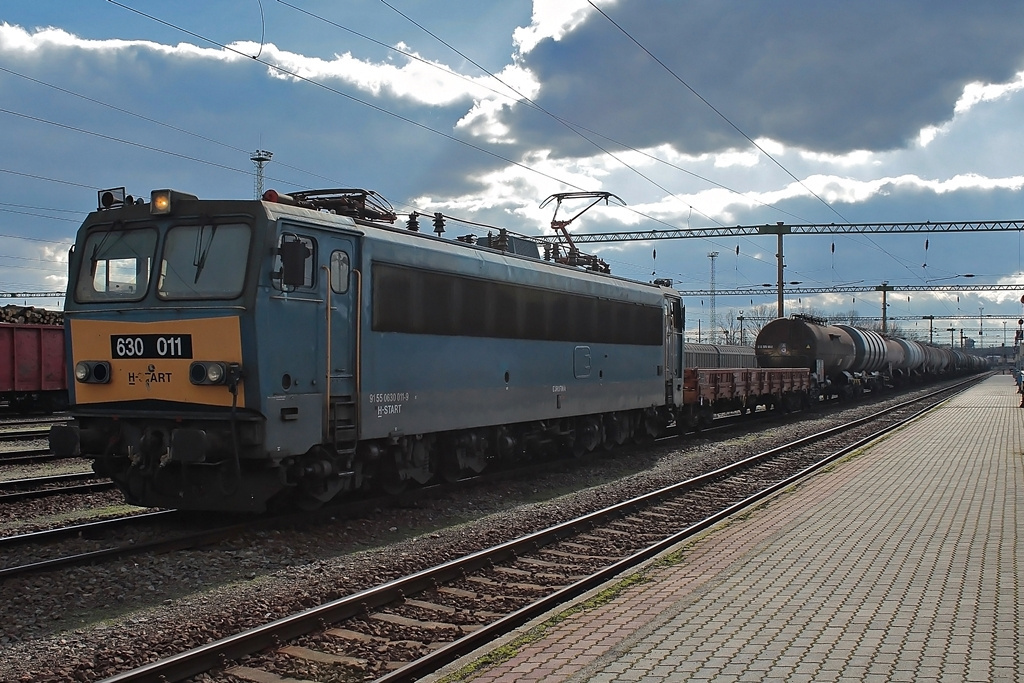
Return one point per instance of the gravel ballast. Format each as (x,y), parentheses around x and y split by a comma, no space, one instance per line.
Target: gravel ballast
(87,623)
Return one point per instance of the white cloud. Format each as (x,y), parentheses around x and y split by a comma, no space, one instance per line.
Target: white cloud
(432,83)
(973,94)
(429,83)
(15,39)
(483,120)
(551,19)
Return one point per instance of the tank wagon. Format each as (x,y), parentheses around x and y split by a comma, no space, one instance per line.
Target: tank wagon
(846,360)
(33,376)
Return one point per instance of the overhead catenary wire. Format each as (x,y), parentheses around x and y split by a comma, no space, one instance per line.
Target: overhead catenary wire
(715,109)
(353,98)
(348,96)
(520,96)
(385,3)
(191,158)
(725,118)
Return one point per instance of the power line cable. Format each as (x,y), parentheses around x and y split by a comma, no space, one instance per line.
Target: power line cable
(519,96)
(157,122)
(124,142)
(35,239)
(50,180)
(40,215)
(715,109)
(575,128)
(348,96)
(741,132)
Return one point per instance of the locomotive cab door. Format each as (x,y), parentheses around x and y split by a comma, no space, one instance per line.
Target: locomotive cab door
(311,341)
(342,286)
(674,313)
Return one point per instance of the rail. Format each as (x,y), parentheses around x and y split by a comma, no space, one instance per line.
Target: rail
(272,635)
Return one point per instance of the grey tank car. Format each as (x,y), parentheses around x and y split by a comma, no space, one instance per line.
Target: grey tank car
(847,359)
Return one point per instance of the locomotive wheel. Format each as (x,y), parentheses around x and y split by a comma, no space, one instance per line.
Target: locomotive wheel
(421,466)
(449,469)
(458,462)
(392,485)
(616,430)
(588,436)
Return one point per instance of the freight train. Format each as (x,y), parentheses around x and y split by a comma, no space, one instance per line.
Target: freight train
(846,360)
(240,355)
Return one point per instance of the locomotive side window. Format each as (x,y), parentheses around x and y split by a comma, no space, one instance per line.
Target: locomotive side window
(308,267)
(116,265)
(340,270)
(204,262)
(418,301)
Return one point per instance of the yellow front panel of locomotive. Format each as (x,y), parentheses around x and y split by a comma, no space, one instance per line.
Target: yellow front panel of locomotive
(164,377)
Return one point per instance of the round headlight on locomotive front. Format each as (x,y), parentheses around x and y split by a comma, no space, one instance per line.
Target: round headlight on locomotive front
(207,372)
(214,373)
(82,371)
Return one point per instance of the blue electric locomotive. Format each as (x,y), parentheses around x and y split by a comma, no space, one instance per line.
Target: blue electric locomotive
(233,355)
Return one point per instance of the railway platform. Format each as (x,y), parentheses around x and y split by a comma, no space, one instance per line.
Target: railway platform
(901,563)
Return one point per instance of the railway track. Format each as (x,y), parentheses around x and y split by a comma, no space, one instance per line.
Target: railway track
(27,456)
(94,546)
(19,434)
(92,543)
(403,629)
(14,490)
(13,421)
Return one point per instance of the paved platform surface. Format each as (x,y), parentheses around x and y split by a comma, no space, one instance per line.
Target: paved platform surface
(902,563)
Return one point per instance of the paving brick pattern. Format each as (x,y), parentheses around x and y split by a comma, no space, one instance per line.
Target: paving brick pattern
(900,564)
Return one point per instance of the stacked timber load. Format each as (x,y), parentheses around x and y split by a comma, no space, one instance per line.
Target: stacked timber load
(30,315)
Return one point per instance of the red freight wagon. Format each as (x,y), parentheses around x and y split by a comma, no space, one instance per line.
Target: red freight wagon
(32,368)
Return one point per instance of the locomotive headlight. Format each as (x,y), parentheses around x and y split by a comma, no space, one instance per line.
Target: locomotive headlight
(213,372)
(92,371)
(163,201)
(160,201)
(82,371)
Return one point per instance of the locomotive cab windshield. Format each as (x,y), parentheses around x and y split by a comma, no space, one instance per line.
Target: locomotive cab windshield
(118,263)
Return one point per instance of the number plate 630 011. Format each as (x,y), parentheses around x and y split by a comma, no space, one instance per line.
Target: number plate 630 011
(151,346)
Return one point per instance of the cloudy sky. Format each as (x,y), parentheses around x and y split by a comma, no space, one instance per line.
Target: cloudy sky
(695,113)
